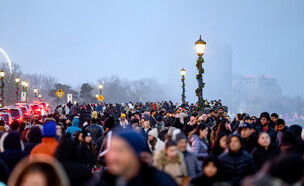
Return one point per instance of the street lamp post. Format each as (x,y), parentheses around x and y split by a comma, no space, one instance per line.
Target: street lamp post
(100,87)
(23,83)
(39,97)
(200,46)
(35,92)
(25,88)
(183,73)
(17,80)
(2,74)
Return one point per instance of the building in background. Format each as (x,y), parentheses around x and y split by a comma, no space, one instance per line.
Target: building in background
(255,94)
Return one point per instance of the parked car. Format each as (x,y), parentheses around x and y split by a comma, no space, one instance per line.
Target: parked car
(7,117)
(27,116)
(16,113)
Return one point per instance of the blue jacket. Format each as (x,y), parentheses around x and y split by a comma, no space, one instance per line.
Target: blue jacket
(74,127)
(99,108)
(199,148)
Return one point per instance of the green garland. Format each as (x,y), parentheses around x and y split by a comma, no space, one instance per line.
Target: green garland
(201,84)
(184,90)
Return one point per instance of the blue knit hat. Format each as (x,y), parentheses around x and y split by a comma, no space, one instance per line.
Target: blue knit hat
(49,129)
(135,141)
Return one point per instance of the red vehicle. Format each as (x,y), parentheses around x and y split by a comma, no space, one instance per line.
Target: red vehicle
(38,110)
(45,106)
(25,111)
(26,105)
(8,119)
(16,113)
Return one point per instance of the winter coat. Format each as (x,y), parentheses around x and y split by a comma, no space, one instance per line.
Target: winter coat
(160,145)
(12,149)
(147,176)
(34,137)
(199,148)
(12,156)
(47,146)
(194,167)
(235,166)
(251,143)
(87,156)
(28,146)
(77,173)
(73,128)
(4,171)
(261,155)
(96,132)
(176,168)
(206,181)
(208,123)
(181,116)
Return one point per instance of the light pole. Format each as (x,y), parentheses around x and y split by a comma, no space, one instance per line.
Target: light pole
(35,92)
(17,80)
(23,83)
(100,87)
(2,74)
(25,87)
(200,46)
(183,73)
(39,97)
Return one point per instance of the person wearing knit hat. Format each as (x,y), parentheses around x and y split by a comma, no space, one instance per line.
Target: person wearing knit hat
(124,164)
(155,144)
(123,121)
(194,168)
(49,142)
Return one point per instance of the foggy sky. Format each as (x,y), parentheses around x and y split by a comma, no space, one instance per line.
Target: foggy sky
(79,41)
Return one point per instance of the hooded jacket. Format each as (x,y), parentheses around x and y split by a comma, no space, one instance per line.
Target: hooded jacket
(74,127)
(260,154)
(12,149)
(147,176)
(159,145)
(176,168)
(34,137)
(235,166)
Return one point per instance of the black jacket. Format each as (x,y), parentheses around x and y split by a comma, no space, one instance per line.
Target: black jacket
(208,123)
(147,176)
(28,146)
(12,156)
(87,155)
(4,171)
(77,173)
(96,132)
(235,166)
(251,143)
(260,155)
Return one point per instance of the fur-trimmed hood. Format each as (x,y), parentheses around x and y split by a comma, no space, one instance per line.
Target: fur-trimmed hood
(162,159)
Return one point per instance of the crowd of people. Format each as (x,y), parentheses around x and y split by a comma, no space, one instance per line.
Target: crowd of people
(156,143)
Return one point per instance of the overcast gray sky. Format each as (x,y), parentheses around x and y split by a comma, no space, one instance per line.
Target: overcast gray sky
(79,41)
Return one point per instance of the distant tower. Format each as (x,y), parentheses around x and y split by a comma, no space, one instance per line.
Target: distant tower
(218,78)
